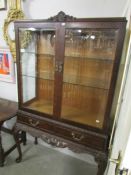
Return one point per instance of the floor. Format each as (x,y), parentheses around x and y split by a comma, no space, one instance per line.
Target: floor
(39,159)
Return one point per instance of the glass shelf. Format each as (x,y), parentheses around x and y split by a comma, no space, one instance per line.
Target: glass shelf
(91,55)
(97,58)
(93,58)
(48,55)
(39,77)
(87,82)
(80,81)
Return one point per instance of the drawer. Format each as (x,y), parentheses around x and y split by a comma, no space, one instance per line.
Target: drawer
(90,139)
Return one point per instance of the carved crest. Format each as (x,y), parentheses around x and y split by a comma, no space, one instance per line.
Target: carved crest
(61,17)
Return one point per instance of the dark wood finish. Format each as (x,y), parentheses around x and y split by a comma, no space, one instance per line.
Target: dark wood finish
(84,92)
(61,16)
(23,136)
(75,134)
(8,110)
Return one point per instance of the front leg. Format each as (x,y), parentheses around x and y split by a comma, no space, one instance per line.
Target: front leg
(1,150)
(23,137)
(17,140)
(102,163)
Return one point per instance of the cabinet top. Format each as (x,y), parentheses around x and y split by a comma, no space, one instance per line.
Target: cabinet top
(62,17)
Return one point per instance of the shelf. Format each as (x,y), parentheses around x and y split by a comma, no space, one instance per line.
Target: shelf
(87,82)
(108,60)
(93,58)
(44,106)
(91,83)
(98,54)
(85,117)
(72,80)
(38,54)
(39,77)
(69,113)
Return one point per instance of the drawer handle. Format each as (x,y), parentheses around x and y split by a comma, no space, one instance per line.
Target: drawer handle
(77,137)
(33,123)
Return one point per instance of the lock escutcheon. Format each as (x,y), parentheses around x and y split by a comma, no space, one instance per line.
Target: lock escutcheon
(59,67)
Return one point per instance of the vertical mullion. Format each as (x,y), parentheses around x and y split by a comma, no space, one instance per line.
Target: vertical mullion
(59,52)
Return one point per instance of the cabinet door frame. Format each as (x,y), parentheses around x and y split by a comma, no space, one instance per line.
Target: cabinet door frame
(57,75)
(59,58)
(120,26)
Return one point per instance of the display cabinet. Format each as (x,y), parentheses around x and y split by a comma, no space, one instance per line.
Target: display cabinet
(67,70)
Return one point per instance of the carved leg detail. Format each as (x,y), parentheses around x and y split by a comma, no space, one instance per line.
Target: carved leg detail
(36,141)
(23,136)
(16,137)
(102,163)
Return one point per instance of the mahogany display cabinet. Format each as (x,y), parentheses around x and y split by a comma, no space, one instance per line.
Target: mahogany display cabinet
(67,70)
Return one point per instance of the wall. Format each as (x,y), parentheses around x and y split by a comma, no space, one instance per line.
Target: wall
(79,8)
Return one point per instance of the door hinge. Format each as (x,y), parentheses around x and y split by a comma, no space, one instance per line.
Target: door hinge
(117,162)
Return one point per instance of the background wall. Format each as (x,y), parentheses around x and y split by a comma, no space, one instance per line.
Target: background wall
(35,9)
(79,8)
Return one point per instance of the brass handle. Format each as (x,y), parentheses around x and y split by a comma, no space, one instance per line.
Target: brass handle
(77,137)
(33,123)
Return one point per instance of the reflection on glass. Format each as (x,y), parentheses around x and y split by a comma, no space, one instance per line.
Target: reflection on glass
(88,64)
(37,69)
(99,44)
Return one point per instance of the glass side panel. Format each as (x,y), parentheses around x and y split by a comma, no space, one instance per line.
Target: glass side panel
(88,65)
(37,58)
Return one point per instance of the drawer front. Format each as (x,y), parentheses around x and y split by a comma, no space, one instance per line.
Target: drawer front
(92,140)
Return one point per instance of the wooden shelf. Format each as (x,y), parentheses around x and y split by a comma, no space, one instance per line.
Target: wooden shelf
(44,106)
(68,113)
(85,117)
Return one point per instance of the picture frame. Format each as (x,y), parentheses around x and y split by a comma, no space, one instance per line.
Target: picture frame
(7,67)
(3,4)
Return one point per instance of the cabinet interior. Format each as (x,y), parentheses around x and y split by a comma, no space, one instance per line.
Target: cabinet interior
(87,67)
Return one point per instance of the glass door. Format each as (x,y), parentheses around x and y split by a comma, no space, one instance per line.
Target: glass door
(37,62)
(88,65)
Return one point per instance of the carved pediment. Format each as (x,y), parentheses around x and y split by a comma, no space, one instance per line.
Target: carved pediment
(61,17)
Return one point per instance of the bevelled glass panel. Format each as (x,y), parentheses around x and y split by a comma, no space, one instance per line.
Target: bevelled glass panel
(37,59)
(88,65)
